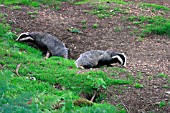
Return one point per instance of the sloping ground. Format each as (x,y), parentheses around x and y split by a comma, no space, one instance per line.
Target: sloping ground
(149,57)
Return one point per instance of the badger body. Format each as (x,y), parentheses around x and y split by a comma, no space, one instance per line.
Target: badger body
(97,58)
(45,42)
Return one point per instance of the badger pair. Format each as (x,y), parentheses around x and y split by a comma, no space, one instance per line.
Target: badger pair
(53,46)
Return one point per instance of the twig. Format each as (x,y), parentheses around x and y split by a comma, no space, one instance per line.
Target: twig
(17,69)
(125,106)
(92,99)
(127,110)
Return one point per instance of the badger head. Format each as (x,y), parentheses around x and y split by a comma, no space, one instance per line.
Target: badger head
(24,37)
(121,57)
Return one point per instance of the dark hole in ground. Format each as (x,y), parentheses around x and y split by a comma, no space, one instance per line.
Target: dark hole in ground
(58,86)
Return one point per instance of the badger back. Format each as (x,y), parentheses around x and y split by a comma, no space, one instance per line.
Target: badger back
(89,59)
(55,46)
(39,37)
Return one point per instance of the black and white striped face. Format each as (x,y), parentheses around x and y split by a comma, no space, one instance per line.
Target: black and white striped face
(24,37)
(121,58)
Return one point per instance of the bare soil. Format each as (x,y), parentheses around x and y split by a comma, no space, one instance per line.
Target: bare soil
(150,56)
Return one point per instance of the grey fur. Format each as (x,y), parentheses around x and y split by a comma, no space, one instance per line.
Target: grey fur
(96,58)
(45,42)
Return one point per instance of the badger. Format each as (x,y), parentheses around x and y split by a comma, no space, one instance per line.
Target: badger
(97,58)
(48,43)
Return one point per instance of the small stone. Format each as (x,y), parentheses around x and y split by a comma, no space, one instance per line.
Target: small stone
(168,92)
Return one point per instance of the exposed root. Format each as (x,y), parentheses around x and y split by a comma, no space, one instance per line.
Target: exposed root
(92,99)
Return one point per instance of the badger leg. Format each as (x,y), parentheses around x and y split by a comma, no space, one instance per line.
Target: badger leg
(47,55)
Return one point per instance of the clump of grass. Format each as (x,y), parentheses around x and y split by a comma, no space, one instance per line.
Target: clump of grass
(57,8)
(4,28)
(23,2)
(32,13)
(73,30)
(166,86)
(162,75)
(88,1)
(105,11)
(83,22)
(137,85)
(32,3)
(155,6)
(160,27)
(151,25)
(140,39)
(117,29)
(162,104)
(81,2)
(17,29)
(16,7)
(115,1)
(95,26)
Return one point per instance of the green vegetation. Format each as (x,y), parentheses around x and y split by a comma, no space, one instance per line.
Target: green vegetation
(154,6)
(162,104)
(162,75)
(32,13)
(30,84)
(16,7)
(140,39)
(33,3)
(24,2)
(57,8)
(45,85)
(95,26)
(83,22)
(89,1)
(151,25)
(137,85)
(117,29)
(73,30)
(105,11)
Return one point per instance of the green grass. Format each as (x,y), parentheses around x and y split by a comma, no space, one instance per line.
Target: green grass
(154,6)
(23,2)
(21,94)
(95,26)
(151,25)
(162,104)
(137,85)
(89,1)
(33,3)
(32,13)
(162,75)
(105,11)
(16,7)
